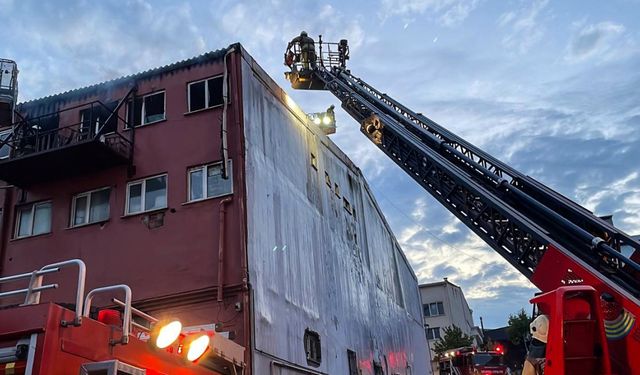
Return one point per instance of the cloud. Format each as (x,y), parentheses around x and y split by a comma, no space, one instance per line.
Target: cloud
(602,40)
(524,26)
(446,12)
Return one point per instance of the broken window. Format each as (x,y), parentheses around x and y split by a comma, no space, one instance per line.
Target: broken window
(205,94)
(347,205)
(92,119)
(147,109)
(312,347)
(353,362)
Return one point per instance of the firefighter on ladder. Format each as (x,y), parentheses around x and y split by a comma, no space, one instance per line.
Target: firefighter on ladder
(534,363)
(304,51)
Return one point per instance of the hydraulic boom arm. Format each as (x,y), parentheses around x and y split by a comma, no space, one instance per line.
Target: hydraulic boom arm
(550,239)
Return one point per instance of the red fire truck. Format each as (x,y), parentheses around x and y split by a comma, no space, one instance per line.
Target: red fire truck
(469,361)
(46,338)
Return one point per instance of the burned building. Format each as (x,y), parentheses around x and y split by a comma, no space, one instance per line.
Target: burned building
(202,186)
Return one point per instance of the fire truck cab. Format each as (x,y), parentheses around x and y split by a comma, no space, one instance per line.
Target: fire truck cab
(469,361)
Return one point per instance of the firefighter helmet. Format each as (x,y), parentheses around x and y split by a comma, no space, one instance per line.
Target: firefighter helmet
(539,328)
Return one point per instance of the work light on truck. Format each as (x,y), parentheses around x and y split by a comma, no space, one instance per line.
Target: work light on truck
(167,333)
(197,345)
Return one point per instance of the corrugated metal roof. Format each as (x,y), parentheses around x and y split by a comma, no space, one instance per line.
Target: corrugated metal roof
(208,56)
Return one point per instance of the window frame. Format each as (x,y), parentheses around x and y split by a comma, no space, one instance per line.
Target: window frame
(206,94)
(438,305)
(131,105)
(205,168)
(431,335)
(3,132)
(88,194)
(143,181)
(93,128)
(32,206)
(313,347)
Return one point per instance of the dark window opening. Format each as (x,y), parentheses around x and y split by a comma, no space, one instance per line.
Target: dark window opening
(347,205)
(433,333)
(327,179)
(153,108)
(314,161)
(377,368)
(312,347)
(197,96)
(205,94)
(49,122)
(106,114)
(353,362)
(215,91)
(86,119)
(433,309)
(148,109)
(92,120)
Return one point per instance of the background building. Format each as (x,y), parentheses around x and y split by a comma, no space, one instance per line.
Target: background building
(444,305)
(206,189)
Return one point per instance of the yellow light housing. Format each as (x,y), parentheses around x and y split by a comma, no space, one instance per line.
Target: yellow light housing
(168,333)
(198,347)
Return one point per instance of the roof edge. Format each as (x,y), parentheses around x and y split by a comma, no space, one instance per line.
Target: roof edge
(202,58)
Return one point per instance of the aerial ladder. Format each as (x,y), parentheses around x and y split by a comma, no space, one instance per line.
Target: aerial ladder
(590,286)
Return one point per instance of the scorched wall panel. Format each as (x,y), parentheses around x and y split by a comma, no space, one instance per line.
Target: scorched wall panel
(320,254)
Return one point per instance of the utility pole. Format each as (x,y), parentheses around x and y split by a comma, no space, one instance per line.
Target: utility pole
(484,342)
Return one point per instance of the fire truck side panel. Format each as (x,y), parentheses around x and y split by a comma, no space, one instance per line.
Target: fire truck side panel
(623,332)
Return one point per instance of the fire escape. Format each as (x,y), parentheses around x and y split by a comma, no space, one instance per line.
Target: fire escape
(66,142)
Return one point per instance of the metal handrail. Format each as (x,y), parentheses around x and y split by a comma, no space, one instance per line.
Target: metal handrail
(32,293)
(82,276)
(27,275)
(126,325)
(27,138)
(41,141)
(27,290)
(139,313)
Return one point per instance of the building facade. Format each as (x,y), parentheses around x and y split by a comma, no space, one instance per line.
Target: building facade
(202,186)
(444,305)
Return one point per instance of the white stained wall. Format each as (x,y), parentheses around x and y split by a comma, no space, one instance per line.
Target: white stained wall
(315,261)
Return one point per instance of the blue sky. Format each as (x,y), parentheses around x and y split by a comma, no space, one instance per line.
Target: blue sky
(551,87)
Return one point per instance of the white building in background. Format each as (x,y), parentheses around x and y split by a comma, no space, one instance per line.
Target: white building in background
(443,305)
